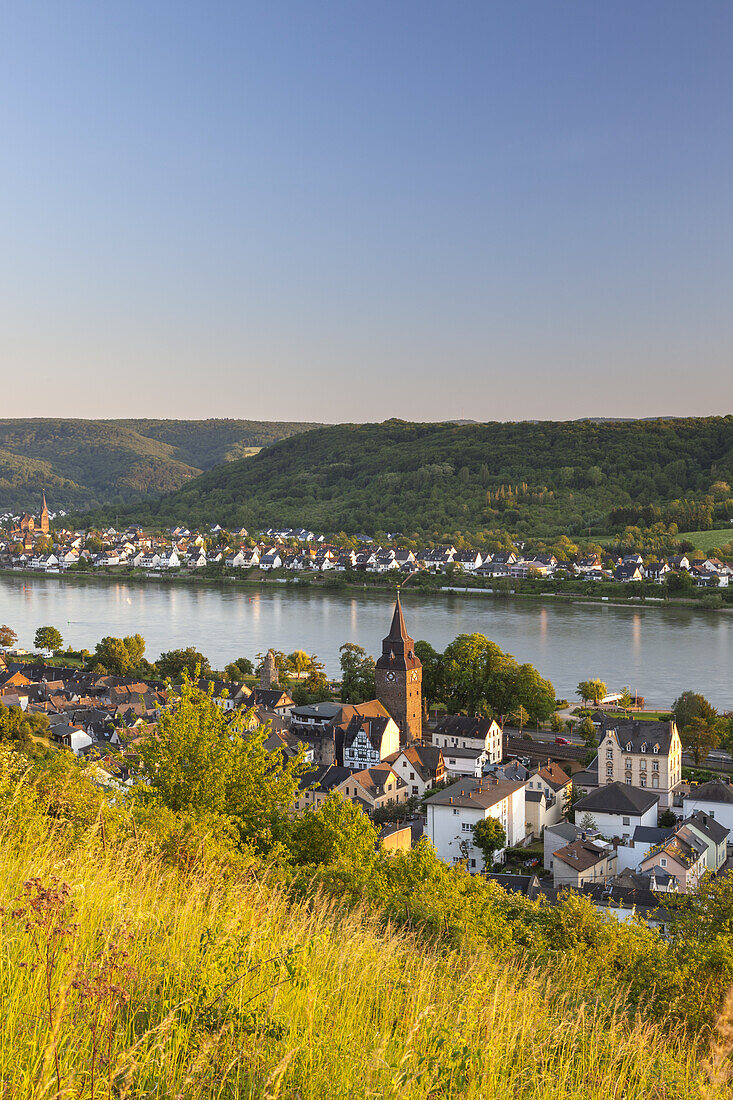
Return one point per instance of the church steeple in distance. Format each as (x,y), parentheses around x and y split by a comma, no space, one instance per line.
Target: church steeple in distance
(398,678)
(44,513)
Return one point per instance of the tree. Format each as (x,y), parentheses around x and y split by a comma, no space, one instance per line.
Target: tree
(338,829)
(357,674)
(206,761)
(489,836)
(173,664)
(48,637)
(299,661)
(112,656)
(699,736)
(667,819)
(8,637)
(240,668)
(588,822)
(587,731)
(556,723)
(689,705)
(118,656)
(627,700)
(433,677)
(592,691)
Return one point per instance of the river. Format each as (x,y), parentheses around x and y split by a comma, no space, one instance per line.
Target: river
(659,651)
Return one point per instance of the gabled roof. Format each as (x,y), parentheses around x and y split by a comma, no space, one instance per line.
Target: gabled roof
(424,759)
(581,854)
(618,798)
(373,728)
(554,776)
(708,826)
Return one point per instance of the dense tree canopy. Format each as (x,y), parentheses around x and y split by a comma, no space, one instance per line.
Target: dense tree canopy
(48,637)
(357,674)
(440,481)
(475,676)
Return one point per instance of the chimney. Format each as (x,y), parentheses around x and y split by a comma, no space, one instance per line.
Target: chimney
(450,799)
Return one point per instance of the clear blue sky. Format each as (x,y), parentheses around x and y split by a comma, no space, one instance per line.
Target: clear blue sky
(299,209)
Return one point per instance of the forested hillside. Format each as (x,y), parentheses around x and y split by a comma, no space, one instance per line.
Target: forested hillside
(437,481)
(87,463)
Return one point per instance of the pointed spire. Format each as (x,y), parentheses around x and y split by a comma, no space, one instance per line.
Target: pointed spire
(398,628)
(44,507)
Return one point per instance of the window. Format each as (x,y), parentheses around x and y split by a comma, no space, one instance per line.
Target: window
(466,827)
(655,781)
(663,861)
(627,763)
(625,821)
(655,765)
(642,765)
(656,748)
(642,781)
(473,862)
(628,747)
(412,775)
(628,780)
(455,813)
(643,747)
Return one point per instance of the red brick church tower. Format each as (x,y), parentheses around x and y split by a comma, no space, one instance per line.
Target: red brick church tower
(398,679)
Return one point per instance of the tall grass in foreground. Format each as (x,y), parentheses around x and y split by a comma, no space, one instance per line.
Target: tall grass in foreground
(232,990)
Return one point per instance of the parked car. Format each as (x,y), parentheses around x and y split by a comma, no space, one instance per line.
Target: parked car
(562,741)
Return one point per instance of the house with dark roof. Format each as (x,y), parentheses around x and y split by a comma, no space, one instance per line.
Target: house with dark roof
(367,740)
(617,809)
(461,731)
(714,835)
(714,799)
(420,766)
(583,861)
(640,754)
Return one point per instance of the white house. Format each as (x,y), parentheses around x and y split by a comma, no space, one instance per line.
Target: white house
(714,799)
(617,809)
(459,731)
(453,813)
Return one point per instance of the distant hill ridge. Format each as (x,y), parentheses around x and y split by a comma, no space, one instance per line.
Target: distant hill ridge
(86,464)
(440,480)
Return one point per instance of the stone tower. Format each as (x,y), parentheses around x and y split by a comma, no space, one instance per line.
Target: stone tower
(44,515)
(398,678)
(268,673)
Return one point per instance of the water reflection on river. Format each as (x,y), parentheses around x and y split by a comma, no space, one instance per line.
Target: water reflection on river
(658,651)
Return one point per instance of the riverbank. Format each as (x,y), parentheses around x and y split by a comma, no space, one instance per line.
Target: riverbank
(428,585)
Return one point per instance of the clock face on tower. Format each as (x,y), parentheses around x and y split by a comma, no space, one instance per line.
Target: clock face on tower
(390,677)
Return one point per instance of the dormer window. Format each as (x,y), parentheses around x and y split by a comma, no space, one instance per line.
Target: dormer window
(628,747)
(643,747)
(656,748)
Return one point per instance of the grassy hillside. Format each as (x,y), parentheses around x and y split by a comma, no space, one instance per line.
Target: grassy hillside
(87,463)
(440,480)
(706,540)
(172,977)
